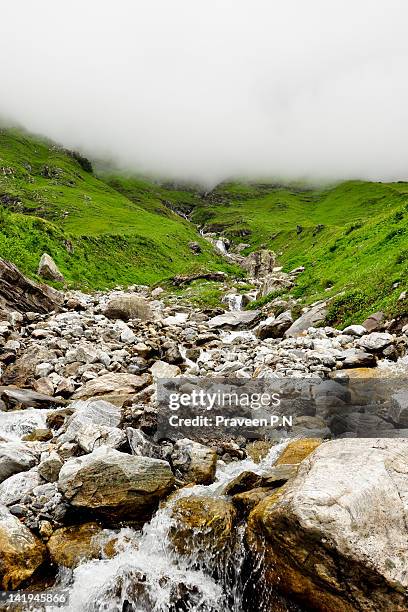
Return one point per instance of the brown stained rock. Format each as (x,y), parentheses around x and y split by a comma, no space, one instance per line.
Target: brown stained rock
(21,552)
(298,450)
(71,546)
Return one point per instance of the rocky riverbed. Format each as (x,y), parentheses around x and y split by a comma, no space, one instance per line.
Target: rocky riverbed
(92,500)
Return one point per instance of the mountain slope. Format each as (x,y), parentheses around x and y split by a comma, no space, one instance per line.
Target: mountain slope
(97,236)
(352,238)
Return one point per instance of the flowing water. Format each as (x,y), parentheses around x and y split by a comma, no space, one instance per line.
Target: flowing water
(234,301)
(220,245)
(147,574)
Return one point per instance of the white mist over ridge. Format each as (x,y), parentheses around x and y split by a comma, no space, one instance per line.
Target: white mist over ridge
(204,91)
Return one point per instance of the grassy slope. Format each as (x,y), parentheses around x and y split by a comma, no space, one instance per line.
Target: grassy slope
(49,201)
(352,238)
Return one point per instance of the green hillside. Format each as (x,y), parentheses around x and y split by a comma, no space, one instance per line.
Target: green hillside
(105,229)
(352,238)
(99,237)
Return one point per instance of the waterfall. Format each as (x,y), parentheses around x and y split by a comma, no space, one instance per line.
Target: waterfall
(234,301)
(147,574)
(220,245)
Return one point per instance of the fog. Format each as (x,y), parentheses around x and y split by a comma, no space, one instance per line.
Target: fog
(207,90)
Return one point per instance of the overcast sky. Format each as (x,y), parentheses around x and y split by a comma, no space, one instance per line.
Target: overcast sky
(210,89)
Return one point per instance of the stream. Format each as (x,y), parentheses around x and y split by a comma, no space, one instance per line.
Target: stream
(147,575)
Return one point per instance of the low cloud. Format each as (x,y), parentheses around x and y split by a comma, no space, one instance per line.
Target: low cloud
(208,90)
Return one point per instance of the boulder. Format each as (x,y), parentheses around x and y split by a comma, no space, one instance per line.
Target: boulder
(235,319)
(23,295)
(15,457)
(297,450)
(195,462)
(277,281)
(311,318)
(140,444)
(21,551)
(355,358)
(50,466)
(48,269)
(336,537)
(374,322)
(127,307)
(274,327)
(94,423)
(259,263)
(161,369)
(376,341)
(202,525)
(26,398)
(245,481)
(114,383)
(22,371)
(16,487)
(355,330)
(247,500)
(71,546)
(115,484)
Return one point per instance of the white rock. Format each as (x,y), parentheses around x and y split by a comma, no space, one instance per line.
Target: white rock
(355,330)
(161,369)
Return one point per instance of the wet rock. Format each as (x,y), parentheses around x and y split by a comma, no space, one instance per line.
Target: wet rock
(127,307)
(247,500)
(202,524)
(195,462)
(21,552)
(236,319)
(115,484)
(311,318)
(71,546)
(48,269)
(243,482)
(297,450)
(15,457)
(258,449)
(279,474)
(317,535)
